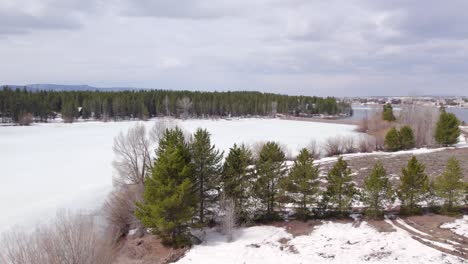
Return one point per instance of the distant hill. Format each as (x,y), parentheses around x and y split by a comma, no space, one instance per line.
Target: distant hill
(64,87)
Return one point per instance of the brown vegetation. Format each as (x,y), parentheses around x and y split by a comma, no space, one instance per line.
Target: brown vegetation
(423,120)
(71,238)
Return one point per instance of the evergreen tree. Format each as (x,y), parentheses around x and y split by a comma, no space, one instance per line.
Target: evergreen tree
(414,185)
(236,179)
(302,183)
(270,169)
(407,137)
(168,200)
(207,169)
(143,104)
(69,111)
(388,113)
(87,109)
(377,191)
(392,140)
(447,129)
(450,186)
(340,189)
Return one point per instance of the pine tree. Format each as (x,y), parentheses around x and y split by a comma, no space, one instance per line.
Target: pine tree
(414,185)
(168,200)
(392,140)
(302,183)
(86,110)
(450,186)
(69,111)
(236,180)
(377,191)
(447,129)
(340,189)
(407,138)
(270,169)
(387,113)
(207,169)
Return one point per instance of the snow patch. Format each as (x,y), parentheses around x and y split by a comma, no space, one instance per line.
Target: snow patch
(328,243)
(459,226)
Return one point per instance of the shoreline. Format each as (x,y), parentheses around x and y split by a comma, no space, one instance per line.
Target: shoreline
(289,118)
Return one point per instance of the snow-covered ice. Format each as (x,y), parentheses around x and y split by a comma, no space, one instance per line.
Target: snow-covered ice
(328,243)
(49,166)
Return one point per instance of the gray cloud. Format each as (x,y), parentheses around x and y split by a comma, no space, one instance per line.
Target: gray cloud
(182,9)
(17,23)
(26,16)
(334,47)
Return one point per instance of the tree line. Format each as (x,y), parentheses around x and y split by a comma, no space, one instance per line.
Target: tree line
(24,106)
(190,185)
(446,132)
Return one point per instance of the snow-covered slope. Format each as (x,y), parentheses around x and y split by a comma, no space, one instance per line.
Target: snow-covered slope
(328,243)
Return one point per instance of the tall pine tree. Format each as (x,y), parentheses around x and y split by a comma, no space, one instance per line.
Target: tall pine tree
(414,186)
(377,191)
(450,186)
(168,200)
(207,169)
(236,180)
(392,140)
(302,184)
(340,189)
(407,137)
(270,169)
(447,129)
(387,113)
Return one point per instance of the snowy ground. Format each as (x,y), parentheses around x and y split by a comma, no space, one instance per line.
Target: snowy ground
(49,166)
(328,243)
(459,226)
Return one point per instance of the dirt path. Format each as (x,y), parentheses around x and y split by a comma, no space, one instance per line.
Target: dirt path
(440,242)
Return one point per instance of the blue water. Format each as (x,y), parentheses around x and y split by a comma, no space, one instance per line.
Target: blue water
(361,111)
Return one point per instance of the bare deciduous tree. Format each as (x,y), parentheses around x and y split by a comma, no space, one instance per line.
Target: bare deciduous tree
(313,149)
(70,239)
(184,105)
(119,209)
(363,125)
(157,131)
(366,144)
(132,156)
(348,145)
(423,120)
(166,105)
(256,148)
(133,163)
(333,146)
(229,218)
(274,108)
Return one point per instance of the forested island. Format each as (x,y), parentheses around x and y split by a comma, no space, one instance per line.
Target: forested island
(20,105)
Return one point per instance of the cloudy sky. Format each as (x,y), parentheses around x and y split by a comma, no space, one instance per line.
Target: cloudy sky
(311,47)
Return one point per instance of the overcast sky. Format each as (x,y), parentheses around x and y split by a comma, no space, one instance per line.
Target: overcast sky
(310,47)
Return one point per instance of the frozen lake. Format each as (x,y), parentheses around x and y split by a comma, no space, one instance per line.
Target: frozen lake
(49,166)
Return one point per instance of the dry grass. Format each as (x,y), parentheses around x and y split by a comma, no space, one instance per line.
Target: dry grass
(119,209)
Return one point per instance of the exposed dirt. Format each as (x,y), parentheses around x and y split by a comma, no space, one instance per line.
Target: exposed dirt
(430,224)
(298,228)
(146,250)
(426,230)
(381,226)
(435,163)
